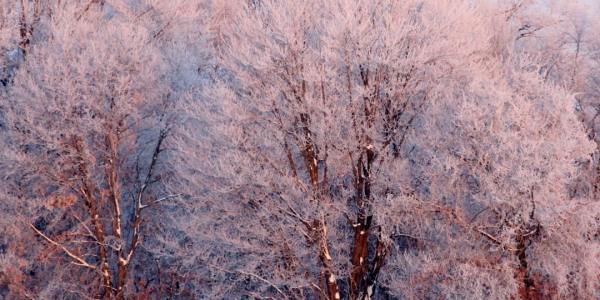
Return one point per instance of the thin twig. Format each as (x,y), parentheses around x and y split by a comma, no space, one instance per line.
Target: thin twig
(252,275)
(489,236)
(169,197)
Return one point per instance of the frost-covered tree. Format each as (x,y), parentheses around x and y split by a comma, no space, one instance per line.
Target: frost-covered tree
(365,149)
(87,121)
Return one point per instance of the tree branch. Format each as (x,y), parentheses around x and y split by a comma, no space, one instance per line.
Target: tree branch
(77,259)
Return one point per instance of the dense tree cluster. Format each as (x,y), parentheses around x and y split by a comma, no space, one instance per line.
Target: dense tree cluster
(318,149)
